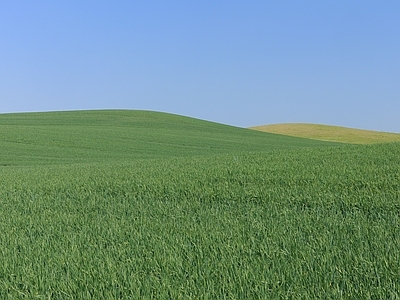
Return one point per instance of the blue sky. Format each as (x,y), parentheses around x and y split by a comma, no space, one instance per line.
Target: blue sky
(242,63)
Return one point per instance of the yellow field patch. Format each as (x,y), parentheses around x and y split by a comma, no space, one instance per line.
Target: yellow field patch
(330,133)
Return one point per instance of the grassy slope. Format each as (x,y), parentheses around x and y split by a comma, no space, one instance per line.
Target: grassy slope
(203,219)
(330,133)
(89,136)
(316,223)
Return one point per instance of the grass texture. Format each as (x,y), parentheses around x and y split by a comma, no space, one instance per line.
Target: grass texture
(330,133)
(98,136)
(288,223)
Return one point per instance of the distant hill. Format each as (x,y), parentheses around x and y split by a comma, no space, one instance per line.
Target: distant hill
(92,136)
(330,133)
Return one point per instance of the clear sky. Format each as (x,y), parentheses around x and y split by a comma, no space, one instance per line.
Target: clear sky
(242,63)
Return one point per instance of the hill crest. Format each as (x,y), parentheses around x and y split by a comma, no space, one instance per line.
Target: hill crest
(109,135)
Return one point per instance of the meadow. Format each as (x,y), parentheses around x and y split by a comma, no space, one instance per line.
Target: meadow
(291,219)
(99,136)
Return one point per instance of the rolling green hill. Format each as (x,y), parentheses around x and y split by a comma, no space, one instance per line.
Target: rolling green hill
(90,136)
(330,133)
(218,212)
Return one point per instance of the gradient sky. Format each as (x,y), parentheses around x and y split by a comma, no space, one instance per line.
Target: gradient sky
(242,63)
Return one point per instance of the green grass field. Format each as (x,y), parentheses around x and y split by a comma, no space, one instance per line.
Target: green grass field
(99,136)
(218,213)
(330,133)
